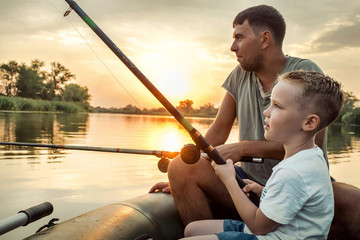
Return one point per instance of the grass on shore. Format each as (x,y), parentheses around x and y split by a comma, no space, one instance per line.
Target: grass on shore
(25,104)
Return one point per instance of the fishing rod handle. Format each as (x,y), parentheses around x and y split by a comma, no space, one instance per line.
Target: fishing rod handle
(211,152)
(219,160)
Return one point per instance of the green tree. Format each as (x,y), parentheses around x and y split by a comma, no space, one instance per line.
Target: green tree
(349,101)
(30,83)
(352,117)
(58,76)
(76,93)
(185,106)
(208,108)
(348,112)
(131,109)
(9,75)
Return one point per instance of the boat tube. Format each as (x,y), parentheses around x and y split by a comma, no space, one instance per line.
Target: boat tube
(152,215)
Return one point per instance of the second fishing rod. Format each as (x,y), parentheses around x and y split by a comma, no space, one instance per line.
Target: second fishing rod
(199,140)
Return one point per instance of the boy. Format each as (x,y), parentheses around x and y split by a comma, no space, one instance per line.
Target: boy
(297,200)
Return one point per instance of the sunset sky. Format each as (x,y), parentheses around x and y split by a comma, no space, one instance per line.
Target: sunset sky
(182,46)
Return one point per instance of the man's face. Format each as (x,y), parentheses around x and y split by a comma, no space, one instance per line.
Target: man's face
(246,47)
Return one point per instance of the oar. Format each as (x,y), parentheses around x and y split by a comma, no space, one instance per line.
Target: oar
(195,134)
(25,217)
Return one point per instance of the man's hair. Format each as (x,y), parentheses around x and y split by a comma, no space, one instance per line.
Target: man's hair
(262,18)
(320,95)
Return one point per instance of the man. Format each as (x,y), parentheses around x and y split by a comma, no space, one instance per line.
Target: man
(258,36)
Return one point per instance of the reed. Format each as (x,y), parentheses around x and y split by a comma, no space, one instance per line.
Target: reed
(25,104)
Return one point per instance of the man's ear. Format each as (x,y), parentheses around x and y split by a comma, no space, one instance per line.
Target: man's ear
(266,39)
(311,122)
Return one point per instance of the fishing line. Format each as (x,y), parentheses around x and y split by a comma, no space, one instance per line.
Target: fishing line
(96,55)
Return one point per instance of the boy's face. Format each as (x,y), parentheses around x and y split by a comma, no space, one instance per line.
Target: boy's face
(283,120)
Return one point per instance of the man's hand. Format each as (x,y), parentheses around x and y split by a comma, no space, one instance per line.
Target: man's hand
(229,151)
(160,187)
(252,187)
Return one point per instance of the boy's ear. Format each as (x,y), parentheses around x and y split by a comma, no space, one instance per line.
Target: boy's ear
(312,121)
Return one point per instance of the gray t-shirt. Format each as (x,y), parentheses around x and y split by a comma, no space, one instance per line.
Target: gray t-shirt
(251,101)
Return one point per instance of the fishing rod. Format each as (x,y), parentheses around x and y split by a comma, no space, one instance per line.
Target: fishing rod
(157,153)
(165,156)
(199,140)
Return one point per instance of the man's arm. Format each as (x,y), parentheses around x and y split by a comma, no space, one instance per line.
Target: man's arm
(219,131)
(259,149)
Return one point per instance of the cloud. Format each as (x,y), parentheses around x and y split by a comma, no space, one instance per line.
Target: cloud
(337,34)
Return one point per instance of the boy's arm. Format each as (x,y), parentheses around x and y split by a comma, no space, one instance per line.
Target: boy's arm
(253,217)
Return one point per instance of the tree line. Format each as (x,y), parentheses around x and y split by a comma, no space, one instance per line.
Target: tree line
(185,107)
(33,81)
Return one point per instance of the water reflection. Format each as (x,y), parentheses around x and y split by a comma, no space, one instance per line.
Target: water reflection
(343,139)
(38,128)
(72,123)
(339,139)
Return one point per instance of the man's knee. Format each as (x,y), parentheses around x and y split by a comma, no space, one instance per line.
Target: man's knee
(176,169)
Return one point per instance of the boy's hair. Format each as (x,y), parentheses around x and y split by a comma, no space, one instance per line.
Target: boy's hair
(262,18)
(320,95)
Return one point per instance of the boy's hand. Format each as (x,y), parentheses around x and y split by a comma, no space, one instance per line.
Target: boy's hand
(252,187)
(226,172)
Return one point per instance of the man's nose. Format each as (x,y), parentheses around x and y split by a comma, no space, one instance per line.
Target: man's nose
(233,47)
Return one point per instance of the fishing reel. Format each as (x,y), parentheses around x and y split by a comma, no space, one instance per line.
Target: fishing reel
(163,164)
(190,153)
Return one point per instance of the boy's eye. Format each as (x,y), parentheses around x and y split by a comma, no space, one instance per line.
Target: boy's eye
(276,105)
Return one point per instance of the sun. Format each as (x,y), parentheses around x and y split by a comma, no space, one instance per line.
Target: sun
(171,141)
(173,82)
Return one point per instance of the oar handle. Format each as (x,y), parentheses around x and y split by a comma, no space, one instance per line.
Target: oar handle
(39,211)
(24,217)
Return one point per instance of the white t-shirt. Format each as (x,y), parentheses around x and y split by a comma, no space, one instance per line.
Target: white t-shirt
(299,196)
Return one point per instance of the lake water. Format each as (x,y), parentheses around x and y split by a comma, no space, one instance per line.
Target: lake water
(76,182)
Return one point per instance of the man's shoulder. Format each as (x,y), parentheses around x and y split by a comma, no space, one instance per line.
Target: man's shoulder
(296,63)
(239,76)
